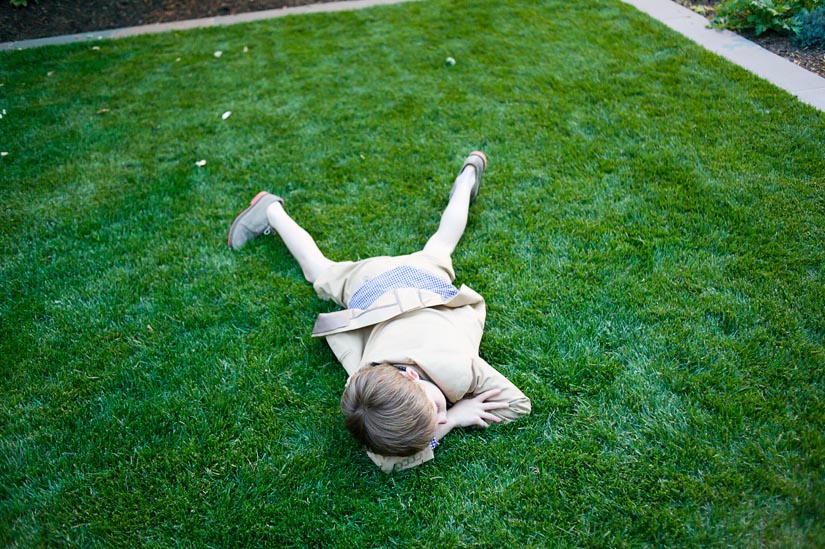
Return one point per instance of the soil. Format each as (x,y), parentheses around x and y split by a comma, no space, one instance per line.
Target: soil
(57,17)
(41,18)
(812,59)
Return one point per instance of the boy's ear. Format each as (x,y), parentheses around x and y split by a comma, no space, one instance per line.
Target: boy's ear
(410,374)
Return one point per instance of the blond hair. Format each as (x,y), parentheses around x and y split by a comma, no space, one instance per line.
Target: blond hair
(388,413)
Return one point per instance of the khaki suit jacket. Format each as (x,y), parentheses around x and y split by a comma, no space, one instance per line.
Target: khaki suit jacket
(438,336)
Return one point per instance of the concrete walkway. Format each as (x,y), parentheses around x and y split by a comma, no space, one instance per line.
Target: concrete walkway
(805,85)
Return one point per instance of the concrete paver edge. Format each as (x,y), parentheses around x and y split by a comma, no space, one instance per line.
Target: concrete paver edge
(805,85)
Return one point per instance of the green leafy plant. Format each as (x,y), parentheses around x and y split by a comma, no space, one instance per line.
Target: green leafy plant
(763,15)
(20,3)
(812,29)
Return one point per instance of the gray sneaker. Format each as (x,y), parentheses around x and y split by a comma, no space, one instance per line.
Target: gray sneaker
(252,221)
(477,160)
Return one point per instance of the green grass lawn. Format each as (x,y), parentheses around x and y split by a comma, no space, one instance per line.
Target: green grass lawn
(649,238)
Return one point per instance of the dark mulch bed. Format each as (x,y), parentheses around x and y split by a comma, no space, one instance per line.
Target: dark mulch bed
(57,17)
(812,59)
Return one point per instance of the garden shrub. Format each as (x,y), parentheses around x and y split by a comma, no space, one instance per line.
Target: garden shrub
(783,16)
(812,29)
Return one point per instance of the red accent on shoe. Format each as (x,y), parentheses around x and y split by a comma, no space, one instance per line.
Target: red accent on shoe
(482,155)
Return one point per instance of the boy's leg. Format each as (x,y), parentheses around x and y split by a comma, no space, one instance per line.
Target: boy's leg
(266,212)
(454,219)
(299,242)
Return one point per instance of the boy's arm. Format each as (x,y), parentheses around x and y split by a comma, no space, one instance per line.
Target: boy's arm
(487,378)
(491,399)
(473,411)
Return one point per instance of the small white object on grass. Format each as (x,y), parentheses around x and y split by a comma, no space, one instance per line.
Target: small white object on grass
(218,53)
(450,61)
(4,153)
(200,163)
(226,115)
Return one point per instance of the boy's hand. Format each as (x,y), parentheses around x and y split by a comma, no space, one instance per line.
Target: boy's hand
(475,411)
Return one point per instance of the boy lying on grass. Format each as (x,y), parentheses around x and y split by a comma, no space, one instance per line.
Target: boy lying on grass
(407,337)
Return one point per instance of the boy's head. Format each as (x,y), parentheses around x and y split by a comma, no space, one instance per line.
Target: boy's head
(391,410)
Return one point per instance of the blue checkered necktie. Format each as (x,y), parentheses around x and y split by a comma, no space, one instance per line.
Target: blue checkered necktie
(400,277)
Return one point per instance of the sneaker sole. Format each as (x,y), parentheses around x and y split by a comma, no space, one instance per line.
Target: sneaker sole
(482,155)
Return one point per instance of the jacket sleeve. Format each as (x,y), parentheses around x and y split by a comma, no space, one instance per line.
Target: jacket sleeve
(349,348)
(485,378)
(388,464)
